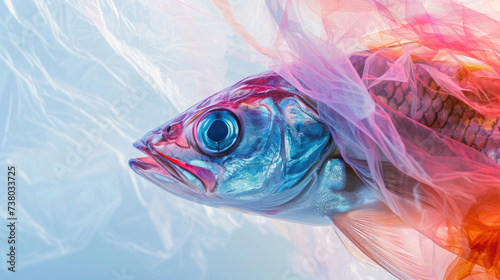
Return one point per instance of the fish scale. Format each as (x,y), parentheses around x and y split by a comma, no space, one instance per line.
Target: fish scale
(436,108)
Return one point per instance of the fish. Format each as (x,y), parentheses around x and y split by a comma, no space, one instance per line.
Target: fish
(261,146)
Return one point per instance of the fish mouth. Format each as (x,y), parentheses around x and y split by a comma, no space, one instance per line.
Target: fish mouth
(171,173)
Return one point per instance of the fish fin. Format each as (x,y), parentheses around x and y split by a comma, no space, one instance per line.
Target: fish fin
(355,251)
(475,243)
(384,238)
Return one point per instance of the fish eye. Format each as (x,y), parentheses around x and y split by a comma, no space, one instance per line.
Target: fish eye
(218,131)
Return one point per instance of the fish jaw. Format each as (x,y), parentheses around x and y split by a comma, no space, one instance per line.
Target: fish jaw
(170,173)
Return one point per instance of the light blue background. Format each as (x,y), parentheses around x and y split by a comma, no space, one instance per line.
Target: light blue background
(59,76)
(68,69)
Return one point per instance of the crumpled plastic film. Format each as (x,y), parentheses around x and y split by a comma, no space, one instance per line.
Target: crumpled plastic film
(81,80)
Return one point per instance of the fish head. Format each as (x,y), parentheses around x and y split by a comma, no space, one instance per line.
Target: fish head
(254,147)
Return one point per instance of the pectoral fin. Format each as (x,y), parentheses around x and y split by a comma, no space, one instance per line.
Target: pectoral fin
(474,240)
(377,234)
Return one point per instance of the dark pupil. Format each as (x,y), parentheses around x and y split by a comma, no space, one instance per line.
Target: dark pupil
(217,131)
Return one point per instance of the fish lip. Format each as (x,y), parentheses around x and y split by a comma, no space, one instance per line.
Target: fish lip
(146,169)
(168,167)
